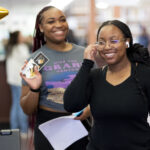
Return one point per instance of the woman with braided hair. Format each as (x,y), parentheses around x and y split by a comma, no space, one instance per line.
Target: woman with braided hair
(118,94)
(43,94)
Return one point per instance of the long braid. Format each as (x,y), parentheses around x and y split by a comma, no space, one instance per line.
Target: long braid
(141,89)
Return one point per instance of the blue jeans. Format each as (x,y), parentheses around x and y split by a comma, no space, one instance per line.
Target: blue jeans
(18,120)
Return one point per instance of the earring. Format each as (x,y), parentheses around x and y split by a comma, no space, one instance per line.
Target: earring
(127,44)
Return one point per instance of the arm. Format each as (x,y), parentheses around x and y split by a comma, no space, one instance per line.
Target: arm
(29,100)
(76,96)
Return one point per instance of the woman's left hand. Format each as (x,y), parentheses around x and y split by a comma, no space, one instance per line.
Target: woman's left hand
(85,114)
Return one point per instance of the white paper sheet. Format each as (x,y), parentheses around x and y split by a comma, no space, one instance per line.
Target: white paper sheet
(63,131)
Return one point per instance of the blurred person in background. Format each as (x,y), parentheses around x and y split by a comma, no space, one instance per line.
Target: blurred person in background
(16,53)
(143,37)
(29,42)
(43,94)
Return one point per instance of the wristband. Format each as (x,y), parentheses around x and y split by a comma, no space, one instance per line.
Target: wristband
(35,90)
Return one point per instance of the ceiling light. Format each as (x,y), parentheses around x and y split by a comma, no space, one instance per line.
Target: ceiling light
(60,4)
(102,5)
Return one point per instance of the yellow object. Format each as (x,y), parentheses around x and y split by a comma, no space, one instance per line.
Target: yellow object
(3,12)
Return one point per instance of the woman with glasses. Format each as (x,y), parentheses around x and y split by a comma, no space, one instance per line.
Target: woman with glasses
(118,94)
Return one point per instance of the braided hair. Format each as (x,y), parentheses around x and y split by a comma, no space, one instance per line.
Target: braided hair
(136,52)
(38,39)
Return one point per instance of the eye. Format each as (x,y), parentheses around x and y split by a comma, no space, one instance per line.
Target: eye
(63,20)
(114,41)
(50,22)
(101,43)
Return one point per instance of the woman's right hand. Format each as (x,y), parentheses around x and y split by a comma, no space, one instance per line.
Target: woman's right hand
(36,81)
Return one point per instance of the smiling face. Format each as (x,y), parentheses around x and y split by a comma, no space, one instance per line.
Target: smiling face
(115,49)
(54,25)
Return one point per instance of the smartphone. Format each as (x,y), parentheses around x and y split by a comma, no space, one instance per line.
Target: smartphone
(77,114)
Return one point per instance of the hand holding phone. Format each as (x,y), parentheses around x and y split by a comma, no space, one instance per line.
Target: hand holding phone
(77,114)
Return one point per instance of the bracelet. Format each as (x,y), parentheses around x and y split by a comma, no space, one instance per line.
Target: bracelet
(35,90)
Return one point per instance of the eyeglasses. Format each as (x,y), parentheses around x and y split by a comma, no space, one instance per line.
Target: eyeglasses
(102,44)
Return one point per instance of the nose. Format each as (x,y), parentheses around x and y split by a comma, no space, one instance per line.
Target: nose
(107,45)
(58,24)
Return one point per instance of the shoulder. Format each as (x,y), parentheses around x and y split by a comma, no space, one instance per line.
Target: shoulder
(97,72)
(75,46)
(37,51)
(76,51)
(23,45)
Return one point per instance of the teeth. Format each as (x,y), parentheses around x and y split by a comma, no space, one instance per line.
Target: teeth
(59,32)
(110,55)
